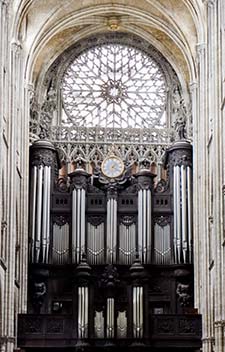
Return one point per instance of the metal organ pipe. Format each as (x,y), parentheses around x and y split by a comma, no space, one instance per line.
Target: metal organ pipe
(180,157)
(39,214)
(82,312)
(43,157)
(144,225)
(111,230)
(33,211)
(78,224)
(110,318)
(184,212)
(189,211)
(138,312)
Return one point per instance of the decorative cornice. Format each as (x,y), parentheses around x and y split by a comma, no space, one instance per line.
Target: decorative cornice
(43,153)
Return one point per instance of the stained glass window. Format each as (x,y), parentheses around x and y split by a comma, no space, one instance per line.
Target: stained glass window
(115,86)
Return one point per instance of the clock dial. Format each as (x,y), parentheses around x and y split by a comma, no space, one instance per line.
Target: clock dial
(112,167)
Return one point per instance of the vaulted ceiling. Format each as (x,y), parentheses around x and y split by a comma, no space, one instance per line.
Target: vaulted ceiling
(46,28)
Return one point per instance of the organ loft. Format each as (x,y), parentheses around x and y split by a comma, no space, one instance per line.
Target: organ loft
(111,211)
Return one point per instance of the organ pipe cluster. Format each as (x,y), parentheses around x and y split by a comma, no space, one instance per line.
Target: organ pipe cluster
(179,157)
(43,158)
(145,182)
(78,184)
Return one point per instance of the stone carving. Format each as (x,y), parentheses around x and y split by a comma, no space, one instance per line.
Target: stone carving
(47,110)
(179,112)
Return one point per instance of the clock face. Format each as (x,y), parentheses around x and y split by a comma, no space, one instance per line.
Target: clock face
(112,167)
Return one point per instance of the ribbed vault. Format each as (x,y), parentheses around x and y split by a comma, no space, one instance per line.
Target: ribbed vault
(46,29)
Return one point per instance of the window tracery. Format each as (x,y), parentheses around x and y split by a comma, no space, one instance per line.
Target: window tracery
(114,86)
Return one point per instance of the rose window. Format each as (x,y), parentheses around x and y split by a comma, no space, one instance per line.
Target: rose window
(115,86)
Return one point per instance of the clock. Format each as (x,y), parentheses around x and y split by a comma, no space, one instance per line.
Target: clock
(112,166)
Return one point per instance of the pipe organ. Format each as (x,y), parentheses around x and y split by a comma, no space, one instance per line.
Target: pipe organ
(179,158)
(112,247)
(42,168)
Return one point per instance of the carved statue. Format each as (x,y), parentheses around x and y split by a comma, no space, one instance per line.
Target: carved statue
(183,292)
(39,291)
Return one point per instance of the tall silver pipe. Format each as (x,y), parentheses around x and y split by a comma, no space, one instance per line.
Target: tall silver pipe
(114,230)
(189,193)
(39,213)
(78,225)
(175,213)
(184,211)
(149,226)
(108,237)
(34,196)
(144,211)
(44,212)
(48,215)
(74,225)
(82,245)
(140,220)
(178,215)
